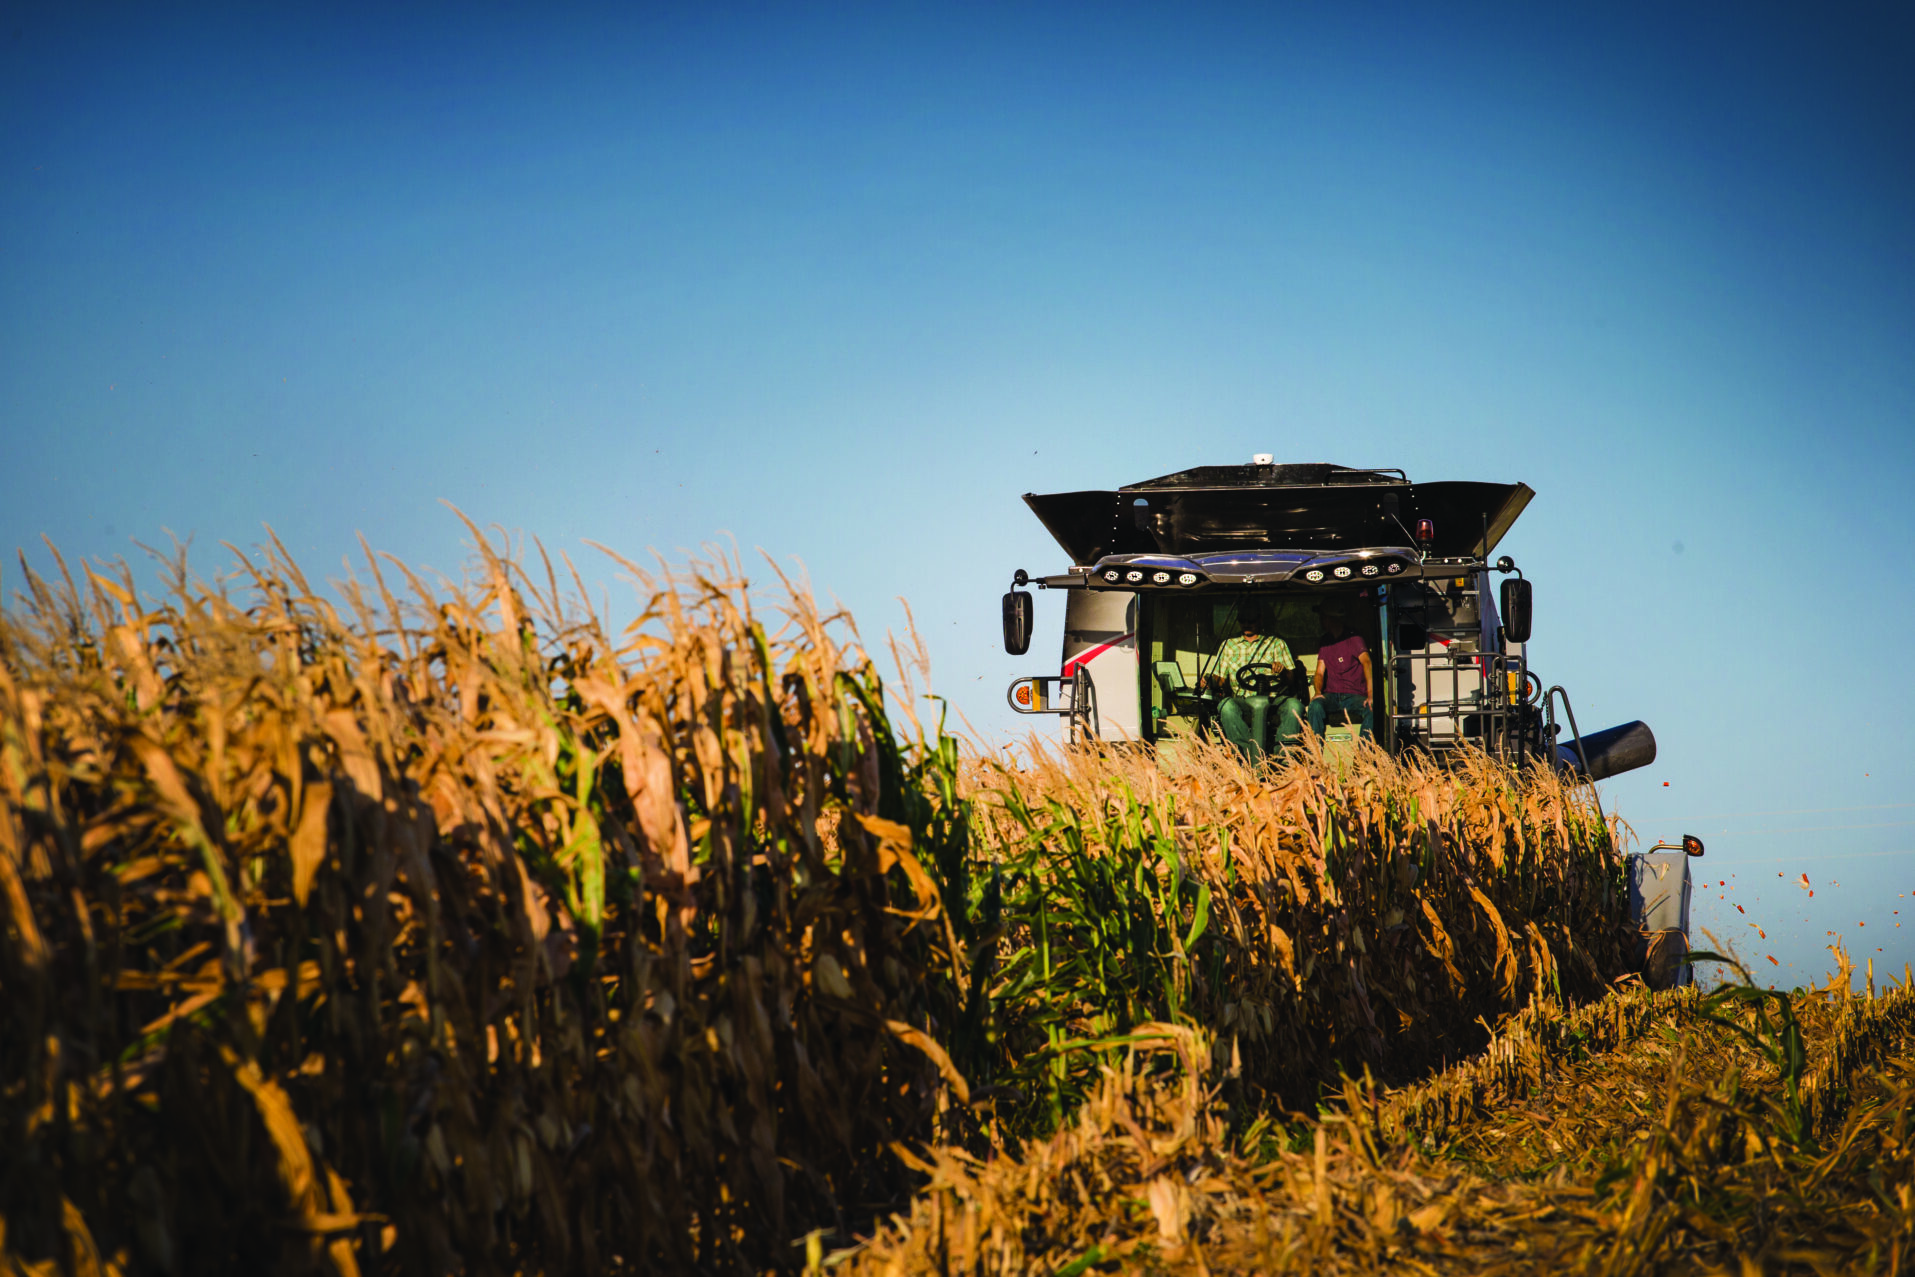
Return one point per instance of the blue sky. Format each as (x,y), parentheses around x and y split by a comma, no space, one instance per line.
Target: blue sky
(844,281)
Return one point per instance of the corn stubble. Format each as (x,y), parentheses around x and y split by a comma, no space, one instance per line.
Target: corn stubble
(444,930)
(1653,1132)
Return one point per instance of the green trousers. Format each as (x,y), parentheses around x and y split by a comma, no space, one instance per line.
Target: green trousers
(1245,722)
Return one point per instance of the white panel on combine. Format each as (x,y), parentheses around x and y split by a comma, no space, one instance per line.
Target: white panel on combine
(1100,634)
(1659,894)
(1458,678)
(1659,890)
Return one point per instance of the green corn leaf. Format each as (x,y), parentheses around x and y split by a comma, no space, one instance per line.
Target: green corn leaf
(1202,921)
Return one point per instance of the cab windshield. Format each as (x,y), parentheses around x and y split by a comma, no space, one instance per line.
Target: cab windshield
(1182,634)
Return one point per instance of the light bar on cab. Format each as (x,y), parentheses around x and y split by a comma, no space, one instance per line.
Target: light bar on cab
(1363,565)
(1253,569)
(1132,573)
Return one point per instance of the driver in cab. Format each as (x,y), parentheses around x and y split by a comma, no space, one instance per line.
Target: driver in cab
(1248,672)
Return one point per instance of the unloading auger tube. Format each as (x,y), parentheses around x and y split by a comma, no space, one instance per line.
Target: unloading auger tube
(1163,573)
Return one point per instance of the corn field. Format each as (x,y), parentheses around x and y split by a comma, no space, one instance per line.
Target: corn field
(1315,920)
(447,933)
(406,927)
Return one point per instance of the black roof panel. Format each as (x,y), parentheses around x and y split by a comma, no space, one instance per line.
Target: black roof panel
(1315,473)
(1321,508)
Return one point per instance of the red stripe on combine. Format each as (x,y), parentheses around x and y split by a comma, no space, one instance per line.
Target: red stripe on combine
(1086,657)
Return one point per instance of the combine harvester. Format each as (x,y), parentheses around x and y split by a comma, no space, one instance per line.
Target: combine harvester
(1165,572)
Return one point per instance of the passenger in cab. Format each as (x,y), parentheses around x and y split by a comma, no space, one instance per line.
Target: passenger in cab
(1342,682)
(1254,700)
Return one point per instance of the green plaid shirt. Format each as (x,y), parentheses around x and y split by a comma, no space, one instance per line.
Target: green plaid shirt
(1241,651)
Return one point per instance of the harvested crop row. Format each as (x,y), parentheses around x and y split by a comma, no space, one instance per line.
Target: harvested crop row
(1685,1150)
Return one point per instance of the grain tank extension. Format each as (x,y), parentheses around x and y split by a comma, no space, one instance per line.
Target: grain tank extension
(1172,581)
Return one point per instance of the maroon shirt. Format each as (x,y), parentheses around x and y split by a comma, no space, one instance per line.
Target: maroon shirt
(1342,671)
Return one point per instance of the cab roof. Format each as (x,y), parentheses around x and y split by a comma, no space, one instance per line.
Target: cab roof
(1317,507)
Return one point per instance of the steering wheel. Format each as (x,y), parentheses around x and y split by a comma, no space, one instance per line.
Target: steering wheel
(1259,678)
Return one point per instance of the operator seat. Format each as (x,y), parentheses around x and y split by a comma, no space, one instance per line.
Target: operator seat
(1183,699)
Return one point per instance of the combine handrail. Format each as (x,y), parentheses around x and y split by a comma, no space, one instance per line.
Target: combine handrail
(1084,701)
(1488,703)
(1081,713)
(1549,706)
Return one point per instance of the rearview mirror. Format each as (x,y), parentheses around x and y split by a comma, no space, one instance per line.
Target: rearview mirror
(1516,611)
(1019,612)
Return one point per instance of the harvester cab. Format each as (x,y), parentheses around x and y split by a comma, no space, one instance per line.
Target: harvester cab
(1177,585)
